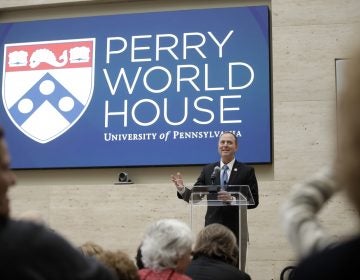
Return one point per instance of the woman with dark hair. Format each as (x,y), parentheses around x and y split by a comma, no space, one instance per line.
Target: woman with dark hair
(215,255)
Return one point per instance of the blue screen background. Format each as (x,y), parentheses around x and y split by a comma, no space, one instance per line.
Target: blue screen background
(83,145)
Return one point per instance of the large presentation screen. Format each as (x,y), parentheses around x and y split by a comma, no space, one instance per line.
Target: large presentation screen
(145,89)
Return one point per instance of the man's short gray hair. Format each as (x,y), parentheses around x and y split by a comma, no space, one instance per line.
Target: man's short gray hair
(165,242)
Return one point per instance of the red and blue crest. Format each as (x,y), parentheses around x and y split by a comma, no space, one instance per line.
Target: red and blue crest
(47,86)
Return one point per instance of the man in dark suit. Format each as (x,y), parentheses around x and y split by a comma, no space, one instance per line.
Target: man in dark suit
(232,172)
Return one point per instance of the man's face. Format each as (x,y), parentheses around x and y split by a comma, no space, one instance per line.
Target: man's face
(7,178)
(227,147)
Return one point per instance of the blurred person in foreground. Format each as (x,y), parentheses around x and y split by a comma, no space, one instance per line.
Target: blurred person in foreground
(31,251)
(341,261)
(299,213)
(215,255)
(166,250)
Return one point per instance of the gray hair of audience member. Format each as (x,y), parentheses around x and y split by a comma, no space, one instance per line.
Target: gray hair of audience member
(217,241)
(165,242)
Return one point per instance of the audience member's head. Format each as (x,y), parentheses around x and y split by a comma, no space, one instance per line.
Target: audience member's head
(349,131)
(91,249)
(118,261)
(7,177)
(218,242)
(167,244)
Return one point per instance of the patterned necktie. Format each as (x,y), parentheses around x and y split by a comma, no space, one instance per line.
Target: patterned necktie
(224,176)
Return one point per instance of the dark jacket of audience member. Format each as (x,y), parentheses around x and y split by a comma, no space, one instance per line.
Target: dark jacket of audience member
(339,262)
(30,251)
(215,255)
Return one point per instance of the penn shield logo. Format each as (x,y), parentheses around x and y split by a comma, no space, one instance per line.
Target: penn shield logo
(47,86)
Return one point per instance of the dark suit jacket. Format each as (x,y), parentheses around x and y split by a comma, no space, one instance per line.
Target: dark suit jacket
(204,268)
(339,262)
(32,252)
(227,215)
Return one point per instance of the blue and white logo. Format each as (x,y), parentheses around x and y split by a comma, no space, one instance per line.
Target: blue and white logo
(47,86)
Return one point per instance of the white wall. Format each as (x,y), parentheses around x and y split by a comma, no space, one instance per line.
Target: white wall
(307,36)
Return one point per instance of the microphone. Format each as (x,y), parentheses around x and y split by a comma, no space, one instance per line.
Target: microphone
(215,174)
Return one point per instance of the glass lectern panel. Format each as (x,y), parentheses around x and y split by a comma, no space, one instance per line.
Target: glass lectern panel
(207,195)
(203,197)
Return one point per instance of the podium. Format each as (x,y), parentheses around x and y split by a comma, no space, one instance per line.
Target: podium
(232,214)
